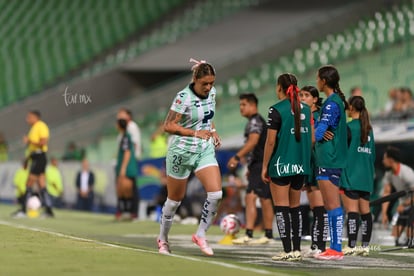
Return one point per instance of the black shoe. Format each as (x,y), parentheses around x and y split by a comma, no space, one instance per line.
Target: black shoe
(397,243)
(407,242)
(48,213)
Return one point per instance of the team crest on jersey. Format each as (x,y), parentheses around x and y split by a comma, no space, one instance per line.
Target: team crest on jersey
(178,101)
(207,116)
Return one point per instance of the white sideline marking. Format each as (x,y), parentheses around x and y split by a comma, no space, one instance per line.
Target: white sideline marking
(57,234)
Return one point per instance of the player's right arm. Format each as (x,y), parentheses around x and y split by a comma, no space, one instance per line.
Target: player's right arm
(384,207)
(172,126)
(274,122)
(252,141)
(267,154)
(329,118)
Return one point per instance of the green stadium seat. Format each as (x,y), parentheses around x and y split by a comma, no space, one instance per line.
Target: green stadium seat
(45,26)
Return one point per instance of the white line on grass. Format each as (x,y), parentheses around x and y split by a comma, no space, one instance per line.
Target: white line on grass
(57,234)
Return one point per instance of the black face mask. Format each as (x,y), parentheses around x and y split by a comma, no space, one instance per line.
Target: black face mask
(122,123)
(387,168)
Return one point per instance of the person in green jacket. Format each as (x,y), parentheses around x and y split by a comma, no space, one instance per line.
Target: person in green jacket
(357,179)
(320,227)
(54,183)
(19,181)
(331,155)
(286,161)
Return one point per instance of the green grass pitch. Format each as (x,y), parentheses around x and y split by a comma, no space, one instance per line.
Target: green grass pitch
(77,243)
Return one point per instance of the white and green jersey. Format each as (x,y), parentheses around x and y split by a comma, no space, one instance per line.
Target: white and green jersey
(197,114)
(402,180)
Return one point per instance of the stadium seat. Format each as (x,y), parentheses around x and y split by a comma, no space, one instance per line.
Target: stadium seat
(67,34)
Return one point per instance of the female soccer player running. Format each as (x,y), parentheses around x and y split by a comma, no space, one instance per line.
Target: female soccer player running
(331,155)
(357,180)
(286,160)
(320,227)
(192,149)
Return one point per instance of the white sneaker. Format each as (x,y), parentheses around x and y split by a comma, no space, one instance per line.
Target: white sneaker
(290,257)
(362,251)
(310,253)
(295,256)
(243,240)
(350,251)
(262,240)
(281,256)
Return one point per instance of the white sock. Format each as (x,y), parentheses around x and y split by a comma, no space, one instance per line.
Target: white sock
(168,212)
(209,212)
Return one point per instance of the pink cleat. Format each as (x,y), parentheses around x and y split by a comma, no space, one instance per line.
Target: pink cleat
(163,247)
(330,254)
(202,243)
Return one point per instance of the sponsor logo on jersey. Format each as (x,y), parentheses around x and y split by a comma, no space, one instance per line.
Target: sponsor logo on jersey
(364,150)
(302,130)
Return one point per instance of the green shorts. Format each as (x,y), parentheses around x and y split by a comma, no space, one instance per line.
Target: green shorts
(180,163)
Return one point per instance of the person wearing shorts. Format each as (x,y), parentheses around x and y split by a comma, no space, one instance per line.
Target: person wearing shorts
(37,145)
(192,148)
(331,155)
(255,136)
(319,228)
(286,161)
(357,179)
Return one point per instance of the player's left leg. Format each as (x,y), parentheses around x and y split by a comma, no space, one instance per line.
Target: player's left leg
(280,194)
(41,169)
(266,202)
(134,201)
(351,204)
(268,215)
(328,181)
(250,215)
(47,200)
(209,175)
(320,227)
(366,225)
(295,212)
